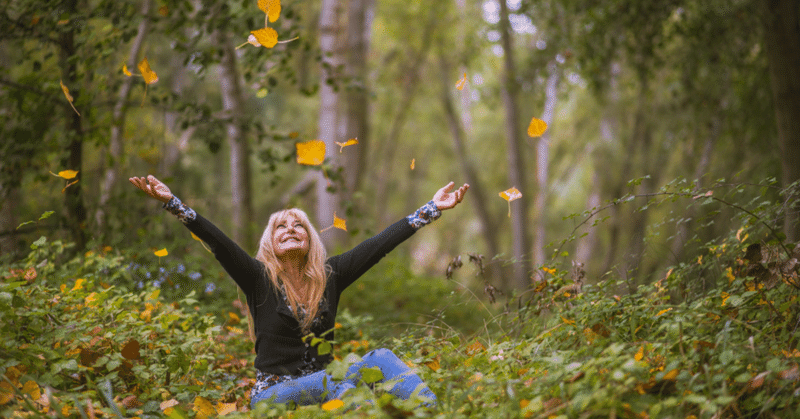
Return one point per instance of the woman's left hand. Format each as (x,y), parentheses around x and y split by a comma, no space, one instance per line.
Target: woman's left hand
(444,199)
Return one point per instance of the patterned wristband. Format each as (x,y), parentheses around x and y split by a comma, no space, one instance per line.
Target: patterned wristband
(180,210)
(424,215)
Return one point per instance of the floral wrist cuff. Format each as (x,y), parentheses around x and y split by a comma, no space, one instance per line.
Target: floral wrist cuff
(424,215)
(180,210)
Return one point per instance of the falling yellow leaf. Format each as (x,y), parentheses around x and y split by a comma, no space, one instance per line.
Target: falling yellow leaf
(333,404)
(163,11)
(339,223)
(271,7)
(461,83)
(65,89)
(161,253)
(412,163)
(511,194)
(311,153)
(537,127)
(352,141)
(66,174)
(126,71)
(265,37)
(149,75)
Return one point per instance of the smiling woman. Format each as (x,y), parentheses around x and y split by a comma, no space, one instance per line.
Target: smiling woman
(293,293)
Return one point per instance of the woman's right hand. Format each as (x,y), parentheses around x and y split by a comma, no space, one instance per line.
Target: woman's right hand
(153,187)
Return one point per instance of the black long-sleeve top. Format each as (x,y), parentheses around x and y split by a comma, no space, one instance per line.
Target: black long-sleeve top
(279,346)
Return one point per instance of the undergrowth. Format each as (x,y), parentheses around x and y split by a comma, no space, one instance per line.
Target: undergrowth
(80,342)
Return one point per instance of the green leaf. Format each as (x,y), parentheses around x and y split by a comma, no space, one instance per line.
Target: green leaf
(38,243)
(371,375)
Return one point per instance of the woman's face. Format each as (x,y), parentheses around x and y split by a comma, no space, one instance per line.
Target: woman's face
(290,239)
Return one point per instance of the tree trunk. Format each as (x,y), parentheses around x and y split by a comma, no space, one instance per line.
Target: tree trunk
(233,105)
(516,162)
(330,42)
(477,190)
(356,121)
(782,39)
(542,168)
(73,195)
(9,199)
(115,146)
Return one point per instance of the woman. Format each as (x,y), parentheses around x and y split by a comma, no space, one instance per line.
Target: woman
(293,292)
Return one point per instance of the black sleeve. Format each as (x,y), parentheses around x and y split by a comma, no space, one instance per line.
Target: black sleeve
(243,268)
(350,265)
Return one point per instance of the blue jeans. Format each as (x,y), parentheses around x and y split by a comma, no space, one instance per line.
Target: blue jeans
(320,386)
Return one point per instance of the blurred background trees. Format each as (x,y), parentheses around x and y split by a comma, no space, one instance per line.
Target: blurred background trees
(637,95)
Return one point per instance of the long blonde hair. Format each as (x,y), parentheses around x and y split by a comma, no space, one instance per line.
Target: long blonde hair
(315,271)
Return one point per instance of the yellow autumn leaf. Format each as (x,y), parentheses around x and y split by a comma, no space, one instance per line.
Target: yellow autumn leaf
(672,375)
(234,317)
(6,392)
(461,83)
(663,311)
(551,271)
(639,354)
(725,297)
(204,408)
(149,75)
(412,163)
(339,223)
(333,404)
(90,299)
(126,71)
(265,37)
(352,141)
(194,236)
(65,89)
(729,274)
(225,408)
(161,253)
(32,389)
(311,153)
(163,11)
(78,284)
(568,321)
(511,194)
(434,365)
(66,174)
(537,127)
(271,7)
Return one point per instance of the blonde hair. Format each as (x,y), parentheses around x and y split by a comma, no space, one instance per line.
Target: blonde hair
(315,271)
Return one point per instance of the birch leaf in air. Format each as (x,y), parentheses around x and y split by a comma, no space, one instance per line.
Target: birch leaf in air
(461,83)
(339,223)
(66,174)
(311,153)
(271,7)
(265,37)
(537,127)
(413,161)
(68,96)
(126,71)
(510,195)
(149,75)
(352,141)
(161,253)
